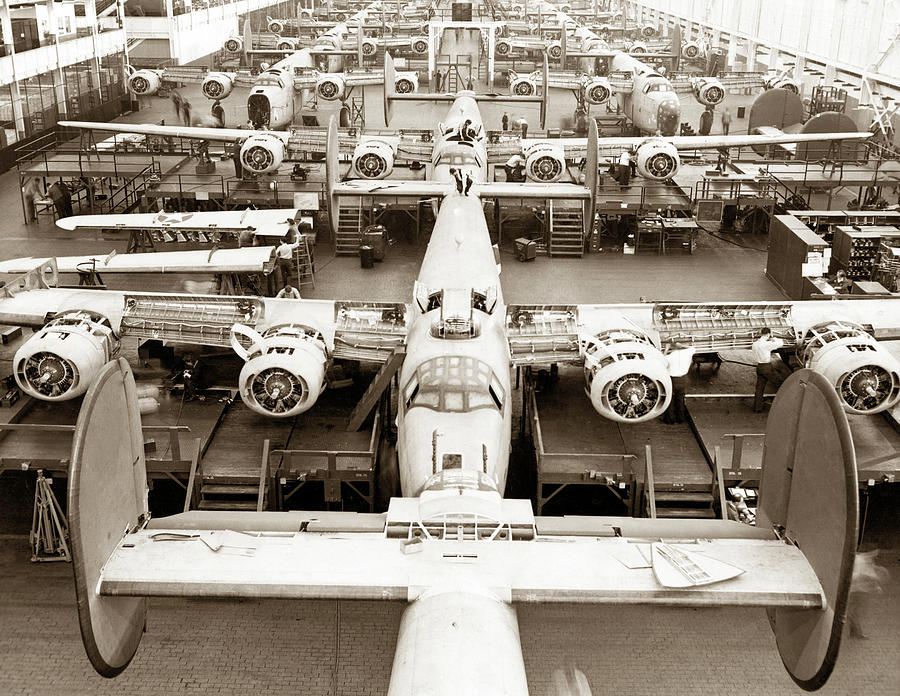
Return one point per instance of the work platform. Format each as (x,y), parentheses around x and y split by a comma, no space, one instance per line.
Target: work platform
(726,426)
(574,445)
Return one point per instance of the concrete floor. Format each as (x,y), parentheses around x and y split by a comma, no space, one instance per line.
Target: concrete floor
(196,646)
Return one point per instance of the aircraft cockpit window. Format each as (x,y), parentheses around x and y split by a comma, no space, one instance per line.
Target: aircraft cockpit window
(657,87)
(435,300)
(454,384)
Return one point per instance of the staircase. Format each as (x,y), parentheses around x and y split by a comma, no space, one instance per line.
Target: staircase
(674,501)
(683,504)
(349,224)
(232,493)
(566,233)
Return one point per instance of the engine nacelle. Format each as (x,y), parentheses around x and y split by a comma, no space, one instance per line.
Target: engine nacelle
(275,26)
(626,376)
(597,90)
(691,49)
(284,372)
(234,44)
(554,50)
(522,85)
(503,47)
(406,82)
(373,159)
(648,30)
(145,83)
(657,159)
(865,376)
(637,47)
(262,153)
(369,47)
(419,45)
(544,163)
(64,358)
(783,82)
(286,44)
(708,91)
(217,85)
(330,87)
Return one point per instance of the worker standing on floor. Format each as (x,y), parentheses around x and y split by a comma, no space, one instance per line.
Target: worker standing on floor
(768,369)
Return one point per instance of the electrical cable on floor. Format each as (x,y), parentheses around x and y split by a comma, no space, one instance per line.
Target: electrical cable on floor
(731,241)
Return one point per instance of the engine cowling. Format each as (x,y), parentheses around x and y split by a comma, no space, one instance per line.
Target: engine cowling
(369,47)
(544,163)
(865,376)
(503,47)
(234,44)
(406,83)
(691,49)
(522,86)
(217,85)
(638,47)
(373,159)
(648,30)
(330,87)
(64,358)
(597,90)
(275,26)
(554,50)
(419,46)
(286,44)
(145,83)
(284,372)
(262,153)
(626,376)
(708,91)
(783,82)
(657,159)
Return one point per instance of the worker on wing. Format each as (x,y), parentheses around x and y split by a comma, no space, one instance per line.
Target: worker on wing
(767,369)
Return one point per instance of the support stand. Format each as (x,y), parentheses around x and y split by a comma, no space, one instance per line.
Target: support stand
(49,529)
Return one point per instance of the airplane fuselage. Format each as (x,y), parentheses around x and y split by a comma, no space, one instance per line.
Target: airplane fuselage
(271,101)
(455,411)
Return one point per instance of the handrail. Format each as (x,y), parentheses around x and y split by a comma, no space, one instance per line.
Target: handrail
(648,462)
(263,473)
(723,504)
(190,493)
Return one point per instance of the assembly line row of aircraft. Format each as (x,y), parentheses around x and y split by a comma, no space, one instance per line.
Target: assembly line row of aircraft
(453,547)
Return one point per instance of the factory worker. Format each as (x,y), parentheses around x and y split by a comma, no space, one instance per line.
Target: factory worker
(768,369)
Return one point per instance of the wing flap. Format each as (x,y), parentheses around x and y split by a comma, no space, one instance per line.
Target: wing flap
(367,566)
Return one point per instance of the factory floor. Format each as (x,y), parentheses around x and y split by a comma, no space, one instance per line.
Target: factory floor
(329,647)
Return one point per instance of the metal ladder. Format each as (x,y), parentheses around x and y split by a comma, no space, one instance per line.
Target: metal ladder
(304,263)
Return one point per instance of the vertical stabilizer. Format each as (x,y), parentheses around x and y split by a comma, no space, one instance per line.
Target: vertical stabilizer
(808,494)
(107,498)
(332,175)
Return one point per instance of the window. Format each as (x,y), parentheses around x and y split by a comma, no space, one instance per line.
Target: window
(454,384)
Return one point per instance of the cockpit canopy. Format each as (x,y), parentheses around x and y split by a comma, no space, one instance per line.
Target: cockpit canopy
(661,86)
(454,384)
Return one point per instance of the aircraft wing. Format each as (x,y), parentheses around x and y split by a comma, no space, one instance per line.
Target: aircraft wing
(178,74)
(392,187)
(200,133)
(245,260)
(274,221)
(577,147)
(544,334)
(352,329)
